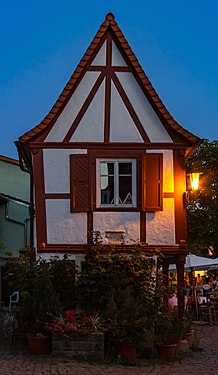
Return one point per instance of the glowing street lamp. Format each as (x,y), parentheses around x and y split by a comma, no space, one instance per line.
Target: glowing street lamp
(194,179)
(193,186)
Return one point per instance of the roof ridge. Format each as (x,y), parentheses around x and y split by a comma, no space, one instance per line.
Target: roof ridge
(65,94)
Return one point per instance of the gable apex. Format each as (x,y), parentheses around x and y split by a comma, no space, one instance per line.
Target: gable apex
(110,16)
(109,26)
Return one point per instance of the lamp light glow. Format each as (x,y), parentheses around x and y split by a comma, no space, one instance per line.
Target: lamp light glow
(194,178)
(191,187)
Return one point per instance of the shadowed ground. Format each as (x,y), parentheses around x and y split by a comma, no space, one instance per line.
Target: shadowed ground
(197,362)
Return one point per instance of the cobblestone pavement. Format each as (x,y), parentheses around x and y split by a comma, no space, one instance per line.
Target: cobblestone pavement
(198,362)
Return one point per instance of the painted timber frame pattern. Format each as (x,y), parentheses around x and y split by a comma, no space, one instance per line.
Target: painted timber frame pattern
(144,146)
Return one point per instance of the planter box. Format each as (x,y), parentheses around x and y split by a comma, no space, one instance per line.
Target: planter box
(89,346)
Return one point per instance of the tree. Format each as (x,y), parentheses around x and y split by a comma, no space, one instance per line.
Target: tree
(202,210)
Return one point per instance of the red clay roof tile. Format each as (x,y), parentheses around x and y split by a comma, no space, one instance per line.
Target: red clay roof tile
(152,94)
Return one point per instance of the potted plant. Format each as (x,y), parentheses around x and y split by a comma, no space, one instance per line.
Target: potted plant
(39,298)
(127,323)
(77,334)
(33,279)
(188,331)
(123,288)
(168,332)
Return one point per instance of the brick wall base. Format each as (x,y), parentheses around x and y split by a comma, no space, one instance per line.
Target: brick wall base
(84,346)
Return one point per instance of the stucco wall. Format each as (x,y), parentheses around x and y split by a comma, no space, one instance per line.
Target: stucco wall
(160,225)
(129,222)
(72,108)
(65,227)
(15,184)
(13,181)
(57,169)
(90,126)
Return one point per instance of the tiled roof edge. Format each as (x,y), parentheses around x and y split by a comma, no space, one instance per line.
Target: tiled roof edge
(110,21)
(7,159)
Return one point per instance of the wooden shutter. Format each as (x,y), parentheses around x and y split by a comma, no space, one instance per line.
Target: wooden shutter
(79,183)
(152,182)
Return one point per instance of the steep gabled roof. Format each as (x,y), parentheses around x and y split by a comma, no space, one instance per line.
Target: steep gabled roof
(152,95)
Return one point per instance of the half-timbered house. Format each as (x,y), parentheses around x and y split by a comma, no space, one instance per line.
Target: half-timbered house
(109,157)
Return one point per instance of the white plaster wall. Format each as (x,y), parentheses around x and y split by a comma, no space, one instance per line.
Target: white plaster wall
(48,256)
(117,58)
(57,169)
(122,127)
(78,259)
(64,227)
(91,126)
(168,170)
(100,58)
(151,123)
(66,118)
(160,225)
(127,221)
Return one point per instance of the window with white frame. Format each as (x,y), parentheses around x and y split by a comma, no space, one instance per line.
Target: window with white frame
(116,182)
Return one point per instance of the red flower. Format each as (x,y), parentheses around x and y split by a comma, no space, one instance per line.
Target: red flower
(86,319)
(73,323)
(69,314)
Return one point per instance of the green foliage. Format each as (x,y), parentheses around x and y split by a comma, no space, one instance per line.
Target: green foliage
(168,329)
(187,322)
(202,212)
(40,287)
(127,317)
(197,341)
(63,277)
(124,287)
(103,274)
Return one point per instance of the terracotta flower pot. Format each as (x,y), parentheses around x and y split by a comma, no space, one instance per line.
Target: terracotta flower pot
(39,344)
(189,338)
(126,352)
(167,352)
(178,346)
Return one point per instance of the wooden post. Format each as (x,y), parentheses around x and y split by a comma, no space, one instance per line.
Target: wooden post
(180,286)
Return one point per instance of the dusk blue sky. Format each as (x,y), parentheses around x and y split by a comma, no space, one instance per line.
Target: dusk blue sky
(43,41)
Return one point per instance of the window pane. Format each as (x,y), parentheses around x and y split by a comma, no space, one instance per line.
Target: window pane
(107,192)
(107,168)
(125,168)
(125,189)
(104,182)
(116,183)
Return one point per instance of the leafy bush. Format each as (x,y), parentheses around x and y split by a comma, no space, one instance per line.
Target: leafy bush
(124,286)
(45,287)
(168,329)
